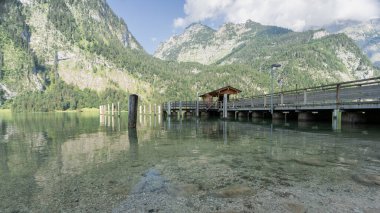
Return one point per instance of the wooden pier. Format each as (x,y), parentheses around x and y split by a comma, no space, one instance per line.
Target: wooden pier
(352,101)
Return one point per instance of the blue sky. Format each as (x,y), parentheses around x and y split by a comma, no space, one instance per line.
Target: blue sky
(150,21)
(154,21)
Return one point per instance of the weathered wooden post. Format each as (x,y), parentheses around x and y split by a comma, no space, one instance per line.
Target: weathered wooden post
(118,109)
(144,110)
(265,101)
(140,110)
(225,106)
(305,97)
(132,111)
(112,109)
(337,114)
(108,109)
(282,99)
(150,109)
(155,109)
(159,109)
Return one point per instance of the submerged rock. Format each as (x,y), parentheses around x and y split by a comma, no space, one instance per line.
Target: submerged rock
(295,208)
(153,193)
(152,181)
(310,162)
(367,179)
(234,191)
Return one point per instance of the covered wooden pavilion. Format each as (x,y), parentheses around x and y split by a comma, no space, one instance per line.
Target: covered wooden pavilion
(219,93)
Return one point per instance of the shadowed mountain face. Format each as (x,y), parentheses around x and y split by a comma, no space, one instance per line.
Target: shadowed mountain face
(365,34)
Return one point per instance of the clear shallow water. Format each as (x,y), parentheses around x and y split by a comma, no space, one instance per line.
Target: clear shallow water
(77,162)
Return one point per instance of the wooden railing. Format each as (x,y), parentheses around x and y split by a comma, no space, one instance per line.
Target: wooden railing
(366,91)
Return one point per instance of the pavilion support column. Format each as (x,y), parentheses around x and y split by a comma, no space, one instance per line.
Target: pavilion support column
(225,106)
(180,109)
(197,109)
(169,112)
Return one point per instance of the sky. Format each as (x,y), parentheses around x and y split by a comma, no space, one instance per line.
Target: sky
(155,21)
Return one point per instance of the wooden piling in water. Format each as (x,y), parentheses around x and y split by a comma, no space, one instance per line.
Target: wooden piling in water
(132,111)
(118,109)
(112,109)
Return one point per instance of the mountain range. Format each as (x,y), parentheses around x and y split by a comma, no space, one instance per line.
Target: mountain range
(80,54)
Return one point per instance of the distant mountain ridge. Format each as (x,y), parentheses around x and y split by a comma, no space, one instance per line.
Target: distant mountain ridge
(200,43)
(365,34)
(316,51)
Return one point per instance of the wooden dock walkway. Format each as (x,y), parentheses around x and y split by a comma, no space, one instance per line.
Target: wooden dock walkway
(358,96)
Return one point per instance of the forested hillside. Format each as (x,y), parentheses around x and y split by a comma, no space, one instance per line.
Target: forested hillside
(67,54)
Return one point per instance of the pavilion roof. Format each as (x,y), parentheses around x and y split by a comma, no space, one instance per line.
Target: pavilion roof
(221,91)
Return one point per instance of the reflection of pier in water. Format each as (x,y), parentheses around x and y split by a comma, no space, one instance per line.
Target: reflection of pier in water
(274,141)
(115,123)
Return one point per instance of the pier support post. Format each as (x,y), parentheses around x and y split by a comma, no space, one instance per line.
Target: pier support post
(180,109)
(140,110)
(118,109)
(108,109)
(159,110)
(144,110)
(337,119)
(278,116)
(225,106)
(169,109)
(197,109)
(132,111)
(150,109)
(155,109)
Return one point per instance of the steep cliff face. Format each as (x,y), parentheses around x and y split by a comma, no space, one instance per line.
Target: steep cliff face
(42,40)
(205,45)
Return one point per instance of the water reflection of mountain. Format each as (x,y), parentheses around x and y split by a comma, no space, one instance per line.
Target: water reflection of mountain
(72,162)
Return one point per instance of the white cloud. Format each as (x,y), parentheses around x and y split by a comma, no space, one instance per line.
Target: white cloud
(294,14)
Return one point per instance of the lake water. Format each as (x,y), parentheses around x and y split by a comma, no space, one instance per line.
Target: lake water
(78,162)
